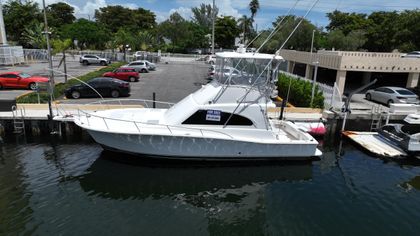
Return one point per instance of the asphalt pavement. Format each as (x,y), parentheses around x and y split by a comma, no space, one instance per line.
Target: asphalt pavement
(170,82)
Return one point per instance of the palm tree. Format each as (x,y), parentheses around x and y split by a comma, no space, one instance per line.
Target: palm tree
(245,24)
(144,40)
(61,46)
(254,6)
(33,35)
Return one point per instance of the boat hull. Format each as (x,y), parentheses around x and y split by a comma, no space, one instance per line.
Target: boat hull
(196,148)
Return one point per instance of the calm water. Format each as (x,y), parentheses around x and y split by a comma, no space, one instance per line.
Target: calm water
(67,187)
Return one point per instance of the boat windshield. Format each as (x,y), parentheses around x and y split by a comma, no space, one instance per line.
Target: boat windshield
(243,71)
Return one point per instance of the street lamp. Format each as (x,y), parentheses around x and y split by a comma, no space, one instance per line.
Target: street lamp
(212,30)
(316,68)
(312,42)
(314,82)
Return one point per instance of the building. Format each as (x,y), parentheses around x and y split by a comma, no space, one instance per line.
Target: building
(357,67)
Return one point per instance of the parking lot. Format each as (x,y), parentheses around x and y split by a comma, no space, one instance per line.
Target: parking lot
(74,68)
(170,82)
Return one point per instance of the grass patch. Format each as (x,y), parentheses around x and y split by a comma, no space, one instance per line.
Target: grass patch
(61,87)
(300,92)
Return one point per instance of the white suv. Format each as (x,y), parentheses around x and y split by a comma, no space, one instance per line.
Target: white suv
(92,59)
(139,66)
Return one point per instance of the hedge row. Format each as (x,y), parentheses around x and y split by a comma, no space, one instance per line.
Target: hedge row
(61,87)
(300,92)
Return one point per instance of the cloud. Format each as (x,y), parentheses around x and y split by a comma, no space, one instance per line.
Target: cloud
(186,13)
(226,7)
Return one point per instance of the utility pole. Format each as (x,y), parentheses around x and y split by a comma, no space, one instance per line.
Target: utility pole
(212,30)
(52,82)
(47,36)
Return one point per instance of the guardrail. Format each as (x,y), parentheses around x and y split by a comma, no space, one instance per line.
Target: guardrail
(137,125)
(141,101)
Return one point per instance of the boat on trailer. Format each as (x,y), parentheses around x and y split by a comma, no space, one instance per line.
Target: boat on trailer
(225,119)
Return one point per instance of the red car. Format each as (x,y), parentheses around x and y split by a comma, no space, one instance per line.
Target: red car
(20,80)
(127,74)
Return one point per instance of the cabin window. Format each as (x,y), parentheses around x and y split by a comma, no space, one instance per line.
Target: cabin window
(214,117)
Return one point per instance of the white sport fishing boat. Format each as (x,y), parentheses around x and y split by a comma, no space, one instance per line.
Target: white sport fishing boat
(224,120)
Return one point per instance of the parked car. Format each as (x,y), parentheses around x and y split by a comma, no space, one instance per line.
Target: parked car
(107,87)
(388,95)
(139,66)
(150,65)
(414,54)
(93,59)
(124,73)
(20,80)
(139,54)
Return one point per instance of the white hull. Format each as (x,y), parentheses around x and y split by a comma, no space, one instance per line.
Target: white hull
(193,148)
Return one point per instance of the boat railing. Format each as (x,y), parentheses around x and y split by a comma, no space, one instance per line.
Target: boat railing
(170,128)
(122,102)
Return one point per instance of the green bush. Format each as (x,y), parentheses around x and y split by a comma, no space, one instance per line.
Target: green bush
(300,92)
(59,88)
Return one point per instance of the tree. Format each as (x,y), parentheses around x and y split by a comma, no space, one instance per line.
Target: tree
(300,40)
(381,31)
(116,17)
(122,38)
(226,31)
(245,25)
(143,41)
(59,14)
(17,15)
(33,35)
(351,42)
(59,45)
(254,6)
(347,22)
(175,29)
(88,34)
(203,15)
(408,36)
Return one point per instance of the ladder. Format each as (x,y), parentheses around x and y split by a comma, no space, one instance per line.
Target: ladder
(377,117)
(18,120)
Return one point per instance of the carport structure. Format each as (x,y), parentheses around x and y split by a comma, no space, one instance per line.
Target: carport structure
(344,62)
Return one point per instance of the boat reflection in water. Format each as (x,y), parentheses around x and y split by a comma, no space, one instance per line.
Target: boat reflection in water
(117,180)
(226,196)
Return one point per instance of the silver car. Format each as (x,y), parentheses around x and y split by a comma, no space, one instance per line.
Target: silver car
(414,54)
(150,65)
(139,66)
(93,59)
(388,95)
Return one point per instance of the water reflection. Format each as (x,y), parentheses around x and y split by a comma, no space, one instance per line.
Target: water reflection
(14,200)
(121,181)
(414,183)
(230,199)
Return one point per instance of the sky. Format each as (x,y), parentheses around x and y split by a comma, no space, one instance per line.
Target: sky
(269,9)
